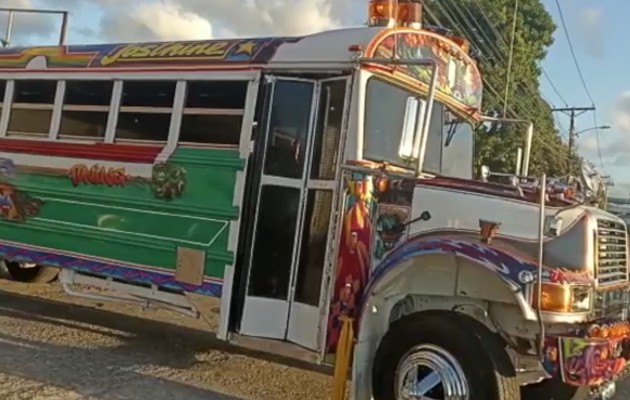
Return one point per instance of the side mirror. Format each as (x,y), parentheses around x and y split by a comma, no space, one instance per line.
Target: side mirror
(485,173)
(413,119)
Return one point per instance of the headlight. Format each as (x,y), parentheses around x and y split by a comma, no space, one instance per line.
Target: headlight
(564,298)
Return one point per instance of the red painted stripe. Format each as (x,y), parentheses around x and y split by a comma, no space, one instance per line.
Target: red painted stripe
(98,151)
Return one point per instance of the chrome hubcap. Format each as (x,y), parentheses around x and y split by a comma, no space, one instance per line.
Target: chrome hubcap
(428,372)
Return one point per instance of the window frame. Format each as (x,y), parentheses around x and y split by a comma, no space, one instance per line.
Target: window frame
(10,104)
(231,112)
(145,110)
(56,134)
(252,78)
(422,95)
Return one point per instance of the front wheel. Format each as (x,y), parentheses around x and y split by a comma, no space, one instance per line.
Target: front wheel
(442,356)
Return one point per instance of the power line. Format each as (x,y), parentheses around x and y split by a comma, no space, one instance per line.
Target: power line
(575,61)
(573,113)
(599,147)
(549,145)
(510,59)
(579,71)
(553,86)
(495,50)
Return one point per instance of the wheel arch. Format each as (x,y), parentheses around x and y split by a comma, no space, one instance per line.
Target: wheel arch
(432,282)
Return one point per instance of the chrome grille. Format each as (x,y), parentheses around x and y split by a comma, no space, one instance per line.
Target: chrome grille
(612,252)
(611,304)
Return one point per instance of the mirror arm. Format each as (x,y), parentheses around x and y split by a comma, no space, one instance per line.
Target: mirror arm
(528,149)
(421,140)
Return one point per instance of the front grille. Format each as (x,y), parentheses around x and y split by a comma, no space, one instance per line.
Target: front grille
(612,252)
(611,304)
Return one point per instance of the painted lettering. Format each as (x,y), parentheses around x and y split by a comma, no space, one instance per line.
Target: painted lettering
(139,52)
(566,276)
(98,175)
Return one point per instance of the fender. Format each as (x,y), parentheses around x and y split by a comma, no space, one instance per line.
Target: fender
(511,266)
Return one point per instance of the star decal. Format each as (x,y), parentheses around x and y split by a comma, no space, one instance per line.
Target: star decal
(246,48)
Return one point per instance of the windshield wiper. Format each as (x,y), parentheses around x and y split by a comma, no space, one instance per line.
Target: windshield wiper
(452,129)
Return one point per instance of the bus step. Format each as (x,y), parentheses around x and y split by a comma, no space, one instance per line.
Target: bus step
(78,285)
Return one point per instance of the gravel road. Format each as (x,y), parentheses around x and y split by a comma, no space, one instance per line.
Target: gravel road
(54,347)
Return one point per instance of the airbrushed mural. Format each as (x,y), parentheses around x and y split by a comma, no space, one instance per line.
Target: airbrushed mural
(167,181)
(254,51)
(375,240)
(376,210)
(15,205)
(458,77)
(119,216)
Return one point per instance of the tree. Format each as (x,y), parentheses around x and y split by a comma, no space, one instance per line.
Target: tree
(487,24)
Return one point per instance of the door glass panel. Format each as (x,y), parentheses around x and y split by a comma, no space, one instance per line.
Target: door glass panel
(328,133)
(288,128)
(273,243)
(313,246)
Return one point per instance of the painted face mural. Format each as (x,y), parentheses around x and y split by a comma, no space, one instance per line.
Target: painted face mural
(168,181)
(390,226)
(16,205)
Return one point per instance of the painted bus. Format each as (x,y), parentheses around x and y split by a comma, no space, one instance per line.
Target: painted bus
(286,184)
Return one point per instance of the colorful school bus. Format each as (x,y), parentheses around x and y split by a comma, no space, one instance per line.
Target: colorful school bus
(301,180)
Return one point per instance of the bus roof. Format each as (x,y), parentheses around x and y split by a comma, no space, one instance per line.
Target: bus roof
(459,79)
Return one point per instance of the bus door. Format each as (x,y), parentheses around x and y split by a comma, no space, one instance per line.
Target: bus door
(288,256)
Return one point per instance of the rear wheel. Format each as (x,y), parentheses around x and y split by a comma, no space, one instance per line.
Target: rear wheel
(442,356)
(31,273)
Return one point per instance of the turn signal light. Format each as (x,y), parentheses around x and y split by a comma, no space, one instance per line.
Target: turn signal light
(563,298)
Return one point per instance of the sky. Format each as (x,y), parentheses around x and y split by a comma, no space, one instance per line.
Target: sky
(598,30)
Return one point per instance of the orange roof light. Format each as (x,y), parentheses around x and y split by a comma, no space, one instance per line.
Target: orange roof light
(463,43)
(391,13)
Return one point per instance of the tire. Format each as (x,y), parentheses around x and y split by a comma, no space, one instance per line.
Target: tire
(554,389)
(36,274)
(474,356)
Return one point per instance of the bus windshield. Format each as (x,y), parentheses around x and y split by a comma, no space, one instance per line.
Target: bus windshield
(450,142)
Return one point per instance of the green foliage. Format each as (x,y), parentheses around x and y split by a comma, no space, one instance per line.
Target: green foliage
(487,24)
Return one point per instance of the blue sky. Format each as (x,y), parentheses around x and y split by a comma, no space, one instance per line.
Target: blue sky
(598,31)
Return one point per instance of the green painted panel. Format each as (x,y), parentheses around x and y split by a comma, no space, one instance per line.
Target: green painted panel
(131,223)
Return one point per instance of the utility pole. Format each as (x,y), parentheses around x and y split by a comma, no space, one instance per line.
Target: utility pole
(573,113)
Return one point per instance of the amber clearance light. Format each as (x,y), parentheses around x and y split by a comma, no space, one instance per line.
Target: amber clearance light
(564,298)
(391,13)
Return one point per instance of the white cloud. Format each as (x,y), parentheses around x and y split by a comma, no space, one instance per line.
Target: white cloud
(621,112)
(144,20)
(621,160)
(153,21)
(616,151)
(588,144)
(28,24)
(591,30)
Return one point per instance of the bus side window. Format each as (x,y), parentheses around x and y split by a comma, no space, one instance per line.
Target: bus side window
(145,111)
(32,108)
(213,112)
(85,109)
